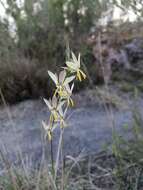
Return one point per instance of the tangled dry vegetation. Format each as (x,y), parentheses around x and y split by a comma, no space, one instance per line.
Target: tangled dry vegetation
(107,56)
(119,171)
(118,167)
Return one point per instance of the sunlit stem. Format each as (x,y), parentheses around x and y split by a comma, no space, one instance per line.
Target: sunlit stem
(58,153)
(52,156)
(51,148)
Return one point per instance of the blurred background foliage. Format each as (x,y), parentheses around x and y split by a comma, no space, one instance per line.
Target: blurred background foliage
(34,35)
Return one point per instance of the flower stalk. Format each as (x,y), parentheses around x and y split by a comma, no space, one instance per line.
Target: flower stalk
(61,101)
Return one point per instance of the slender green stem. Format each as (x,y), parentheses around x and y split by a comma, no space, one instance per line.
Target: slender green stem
(58,153)
(52,157)
(62,160)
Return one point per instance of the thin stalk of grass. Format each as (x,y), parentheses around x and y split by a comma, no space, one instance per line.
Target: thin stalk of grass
(62,164)
(10,173)
(52,181)
(71,168)
(52,156)
(58,152)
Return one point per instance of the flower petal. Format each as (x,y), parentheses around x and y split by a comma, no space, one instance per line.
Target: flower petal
(48,103)
(62,76)
(71,65)
(49,133)
(68,80)
(83,74)
(68,88)
(53,77)
(74,58)
(72,87)
(60,105)
(54,101)
(79,76)
(79,59)
(45,126)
